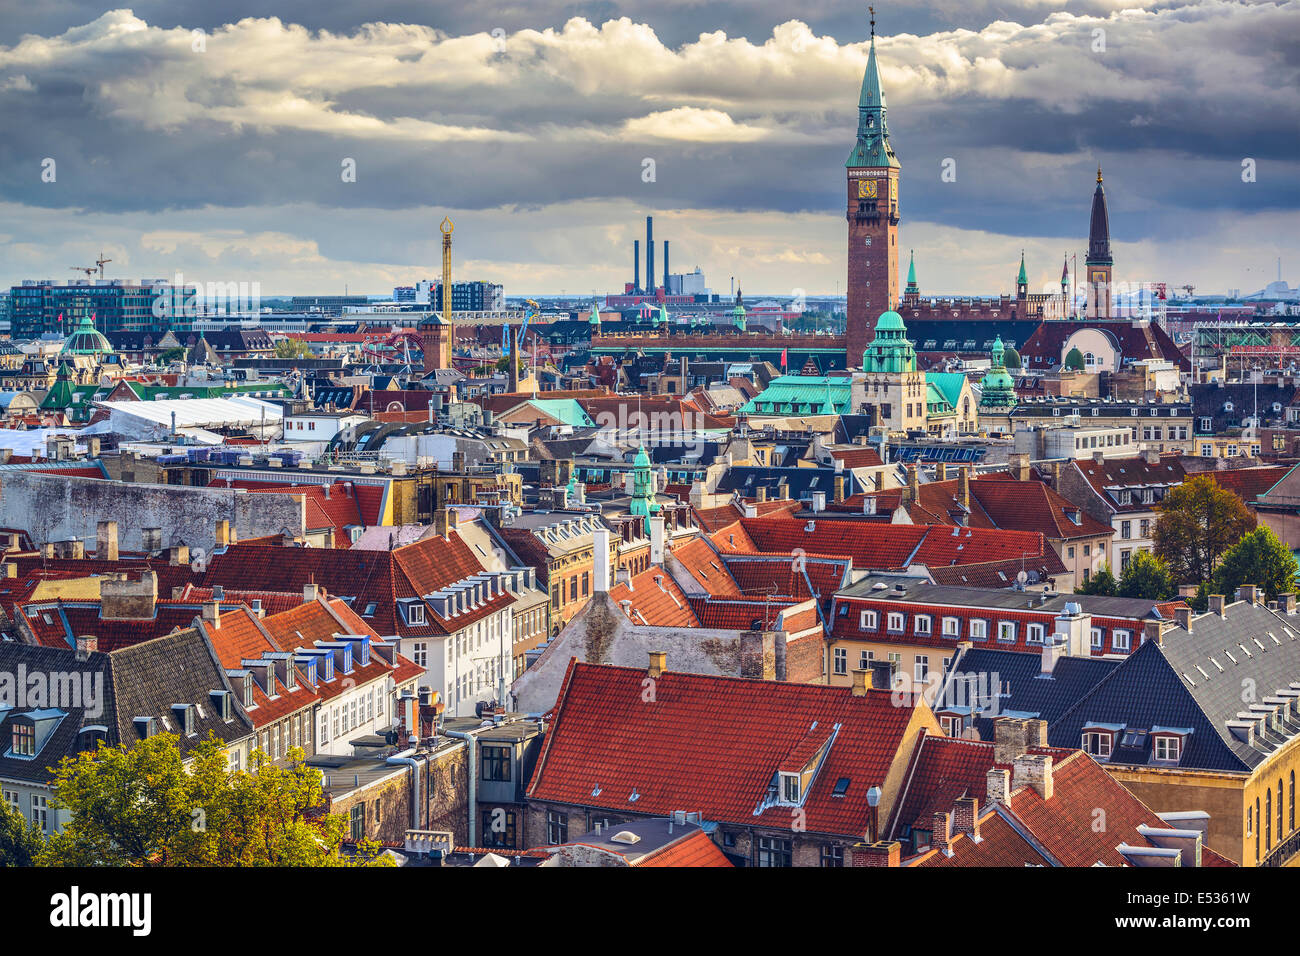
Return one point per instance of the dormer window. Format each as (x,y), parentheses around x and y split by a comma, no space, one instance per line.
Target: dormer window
(1167,748)
(869,620)
(414,613)
(790,790)
(1126,497)
(952,724)
(184,718)
(895,622)
(951,627)
(1098,742)
(1006,632)
(24,740)
(979,630)
(248,691)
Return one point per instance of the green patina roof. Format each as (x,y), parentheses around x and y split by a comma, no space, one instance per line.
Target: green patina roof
(595,314)
(873,147)
(1023,278)
(949,385)
(87,340)
(567,411)
(802,395)
(911,271)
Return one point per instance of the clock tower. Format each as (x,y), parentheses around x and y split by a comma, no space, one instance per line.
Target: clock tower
(872,211)
(1099,262)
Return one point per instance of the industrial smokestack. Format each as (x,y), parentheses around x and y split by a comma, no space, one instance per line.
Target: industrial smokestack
(650,255)
(665,267)
(636,266)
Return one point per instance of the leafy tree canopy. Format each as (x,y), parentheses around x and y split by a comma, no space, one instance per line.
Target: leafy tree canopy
(1198,521)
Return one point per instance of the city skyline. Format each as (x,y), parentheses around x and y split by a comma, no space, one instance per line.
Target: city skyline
(547,140)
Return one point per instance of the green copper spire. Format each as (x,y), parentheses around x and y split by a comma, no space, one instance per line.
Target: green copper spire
(738,313)
(643,503)
(891,351)
(595,314)
(663,316)
(873,147)
(1023,278)
(998,389)
(912,287)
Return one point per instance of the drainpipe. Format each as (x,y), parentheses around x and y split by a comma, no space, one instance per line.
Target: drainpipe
(471,745)
(405,757)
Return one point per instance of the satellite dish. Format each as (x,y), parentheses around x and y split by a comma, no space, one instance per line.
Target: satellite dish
(1022,577)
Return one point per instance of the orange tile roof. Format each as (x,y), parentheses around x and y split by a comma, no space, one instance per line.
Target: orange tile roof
(655,600)
(707,567)
(695,850)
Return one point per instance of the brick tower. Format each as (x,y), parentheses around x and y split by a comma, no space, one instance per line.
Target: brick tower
(872,211)
(1099,262)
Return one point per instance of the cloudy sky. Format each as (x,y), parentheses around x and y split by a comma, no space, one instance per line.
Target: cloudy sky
(209,139)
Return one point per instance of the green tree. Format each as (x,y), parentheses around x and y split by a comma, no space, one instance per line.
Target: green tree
(1103,582)
(1011,359)
(1146,576)
(292,348)
(20,842)
(1074,360)
(1198,521)
(147,806)
(172,355)
(1259,558)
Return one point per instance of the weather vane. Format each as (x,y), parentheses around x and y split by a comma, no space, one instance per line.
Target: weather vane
(873,21)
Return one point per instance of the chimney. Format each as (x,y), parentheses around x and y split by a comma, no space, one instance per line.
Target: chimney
(1053,651)
(309,593)
(1187,591)
(1033,770)
(106,541)
(121,599)
(963,487)
(760,493)
(212,613)
(1009,742)
(1286,603)
(1248,593)
(818,502)
(1184,617)
(997,787)
(941,834)
(1019,466)
(941,471)
(1099,456)
(600,560)
(839,489)
(636,265)
(882,853)
(657,540)
(649,255)
(1151,456)
(658,663)
(222,534)
(966,818)
(1216,604)
(784,489)
(87,644)
(665,267)
(861,682)
(1155,630)
(178,555)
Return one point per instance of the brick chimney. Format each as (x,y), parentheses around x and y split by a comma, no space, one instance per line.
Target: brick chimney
(881,853)
(1216,604)
(941,834)
(966,817)
(998,786)
(1009,739)
(87,644)
(861,682)
(941,471)
(1019,466)
(1286,603)
(1187,591)
(658,663)
(839,489)
(1184,617)
(1033,770)
(1155,630)
(212,613)
(121,599)
(1248,593)
(106,541)
(963,487)
(913,492)
(222,534)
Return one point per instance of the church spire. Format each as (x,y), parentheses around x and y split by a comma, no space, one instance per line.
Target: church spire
(912,287)
(1099,228)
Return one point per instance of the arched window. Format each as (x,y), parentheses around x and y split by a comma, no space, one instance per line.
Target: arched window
(1280,831)
(1291,813)
(1257,830)
(1089,359)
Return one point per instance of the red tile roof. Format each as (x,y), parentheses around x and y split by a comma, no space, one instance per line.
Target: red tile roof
(714,519)
(695,850)
(1250,483)
(655,600)
(707,567)
(714,744)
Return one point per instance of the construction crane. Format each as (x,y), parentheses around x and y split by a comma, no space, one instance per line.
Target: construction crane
(101,262)
(88,270)
(1189,289)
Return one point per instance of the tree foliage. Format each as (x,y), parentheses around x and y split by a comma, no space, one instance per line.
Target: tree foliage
(146,806)
(1011,359)
(1259,558)
(292,348)
(1146,576)
(1074,360)
(20,842)
(1103,582)
(1198,521)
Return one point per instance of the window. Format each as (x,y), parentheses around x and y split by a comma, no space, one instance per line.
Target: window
(1268,820)
(496,763)
(1098,637)
(1291,803)
(979,630)
(357,821)
(789,788)
(865,658)
(11,798)
(832,855)
(499,828)
(1279,810)
(324,729)
(1126,527)
(774,851)
(1168,748)
(1097,744)
(1070,552)
(869,621)
(1034,633)
(951,724)
(24,740)
(420,654)
(922,623)
(951,627)
(841,660)
(41,812)
(557,827)
(1006,632)
(920,668)
(414,613)
(1121,640)
(895,622)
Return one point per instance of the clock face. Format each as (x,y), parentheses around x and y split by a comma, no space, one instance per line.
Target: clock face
(866,189)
